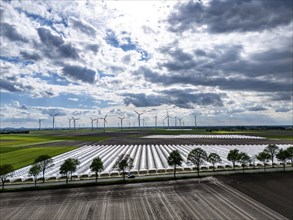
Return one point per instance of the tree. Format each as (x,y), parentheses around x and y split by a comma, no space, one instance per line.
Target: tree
(232,156)
(34,171)
(197,156)
(97,166)
(264,157)
(243,159)
(45,161)
(272,149)
(290,152)
(283,155)
(6,170)
(68,167)
(123,162)
(214,158)
(175,159)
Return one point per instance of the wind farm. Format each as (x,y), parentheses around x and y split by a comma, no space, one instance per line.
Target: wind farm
(146,109)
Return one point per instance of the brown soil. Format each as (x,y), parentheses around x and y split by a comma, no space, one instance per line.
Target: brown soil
(275,190)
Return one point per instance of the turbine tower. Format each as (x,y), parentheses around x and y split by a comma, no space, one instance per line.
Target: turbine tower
(40,124)
(53,118)
(69,123)
(121,119)
(156,120)
(74,122)
(138,117)
(105,121)
(168,119)
(92,121)
(97,123)
(175,121)
(195,124)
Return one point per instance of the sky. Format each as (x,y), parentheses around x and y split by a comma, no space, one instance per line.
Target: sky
(227,61)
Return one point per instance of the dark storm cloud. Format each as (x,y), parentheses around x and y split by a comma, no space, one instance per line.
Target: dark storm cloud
(283,109)
(80,73)
(231,16)
(54,46)
(179,98)
(83,27)
(10,32)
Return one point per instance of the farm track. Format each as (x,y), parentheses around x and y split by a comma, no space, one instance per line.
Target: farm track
(181,199)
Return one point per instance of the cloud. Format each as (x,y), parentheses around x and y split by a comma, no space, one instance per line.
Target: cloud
(257,108)
(9,31)
(83,27)
(179,98)
(30,56)
(230,16)
(54,46)
(283,109)
(80,73)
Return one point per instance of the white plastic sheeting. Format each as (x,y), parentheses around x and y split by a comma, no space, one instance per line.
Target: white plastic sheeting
(147,158)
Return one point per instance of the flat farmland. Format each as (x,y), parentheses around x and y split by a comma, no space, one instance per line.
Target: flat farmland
(182,199)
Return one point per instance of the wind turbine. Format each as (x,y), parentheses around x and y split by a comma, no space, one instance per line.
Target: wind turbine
(143,122)
(53,117)
(105,121)
(121,119)
(97,123)
(168,118)
(92,121)
(180,119)
(156,119)
(74,122)
(138,117)
(175,121)
(40,124)
(69,123)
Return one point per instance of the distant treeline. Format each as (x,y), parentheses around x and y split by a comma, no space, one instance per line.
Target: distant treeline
(14,131)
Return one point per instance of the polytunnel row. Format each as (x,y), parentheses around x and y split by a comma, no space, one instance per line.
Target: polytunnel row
(219,136)
(147,159)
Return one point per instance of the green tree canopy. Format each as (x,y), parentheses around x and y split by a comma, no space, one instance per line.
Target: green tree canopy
(283,155)
(272,149)
(6,170)
(197,157)
(45,161)
(34,171)
(243,159)
(214,158)
(97,166)
(232,156)
(68,167)
(175,159)
(264,157)
(123,162)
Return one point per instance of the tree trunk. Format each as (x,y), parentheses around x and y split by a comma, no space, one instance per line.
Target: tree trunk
(213,167)
(35,182)
(123,175)
(197,170)
(243,168)
(273,162)
(66,179)
(284,164)
(265,167)
(96,177)
(70,176)
(3,182)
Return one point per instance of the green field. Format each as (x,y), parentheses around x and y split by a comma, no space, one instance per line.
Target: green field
(22,149)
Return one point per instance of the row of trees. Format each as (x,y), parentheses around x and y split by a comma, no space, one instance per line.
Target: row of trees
(196,157)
